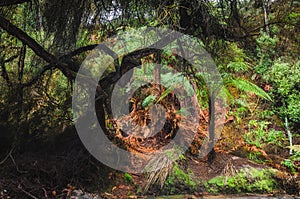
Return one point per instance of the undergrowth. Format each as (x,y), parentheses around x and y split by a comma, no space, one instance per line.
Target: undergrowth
(246,181)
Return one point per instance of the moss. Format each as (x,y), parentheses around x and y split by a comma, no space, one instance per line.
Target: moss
(179,179)
(247,180)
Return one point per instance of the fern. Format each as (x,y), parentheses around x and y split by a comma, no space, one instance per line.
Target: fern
(248,86)
(164,94)
(237,66)
(148,101)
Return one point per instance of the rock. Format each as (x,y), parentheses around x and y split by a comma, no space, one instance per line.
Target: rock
(79,194)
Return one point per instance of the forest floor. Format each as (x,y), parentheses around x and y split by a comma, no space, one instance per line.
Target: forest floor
(63,168)
(59,166)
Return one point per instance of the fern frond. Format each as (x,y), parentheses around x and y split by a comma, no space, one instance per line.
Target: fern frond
(247,86)
(164,94)
(148,101)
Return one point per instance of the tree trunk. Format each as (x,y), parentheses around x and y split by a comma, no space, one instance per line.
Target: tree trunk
(211,154)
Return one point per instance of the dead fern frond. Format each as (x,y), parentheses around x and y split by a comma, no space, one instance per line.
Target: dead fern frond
(165,163)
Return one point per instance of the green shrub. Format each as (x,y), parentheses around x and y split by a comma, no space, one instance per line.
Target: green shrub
(260,135)
(285,80)
(266,50)
(289,164)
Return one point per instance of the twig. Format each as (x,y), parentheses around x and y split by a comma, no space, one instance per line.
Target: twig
(7,156)
(45,193)
(13,160)
(26,192)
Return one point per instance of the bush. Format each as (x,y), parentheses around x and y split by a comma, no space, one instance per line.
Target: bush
(285,80)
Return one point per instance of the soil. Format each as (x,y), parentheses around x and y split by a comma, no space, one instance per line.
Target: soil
(205,171)
(59,168)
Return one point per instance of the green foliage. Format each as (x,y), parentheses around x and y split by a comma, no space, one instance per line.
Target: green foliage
(266,50)
(247,180)
(289,164)
(128,177)
(256,156)
(241,102)
(229,56)
(275,137)
(285,80)
(237,67)
(168,79)
(266,114)
(248,86)
(293,108)
(284,77)
(293,17)
(295,157)
(266,43)
(260,134)
(283,74)
(151,99)
(83,38)
(148,101)
(164,94)
(240,108)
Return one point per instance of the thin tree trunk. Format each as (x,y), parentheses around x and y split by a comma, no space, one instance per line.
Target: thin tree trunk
(266,16)
(211,127)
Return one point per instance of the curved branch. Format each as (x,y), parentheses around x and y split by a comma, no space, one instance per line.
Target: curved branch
(26,39)
(11,58)
(36,77)
(80,50)
(133,59)
(63,58)
(37,48)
